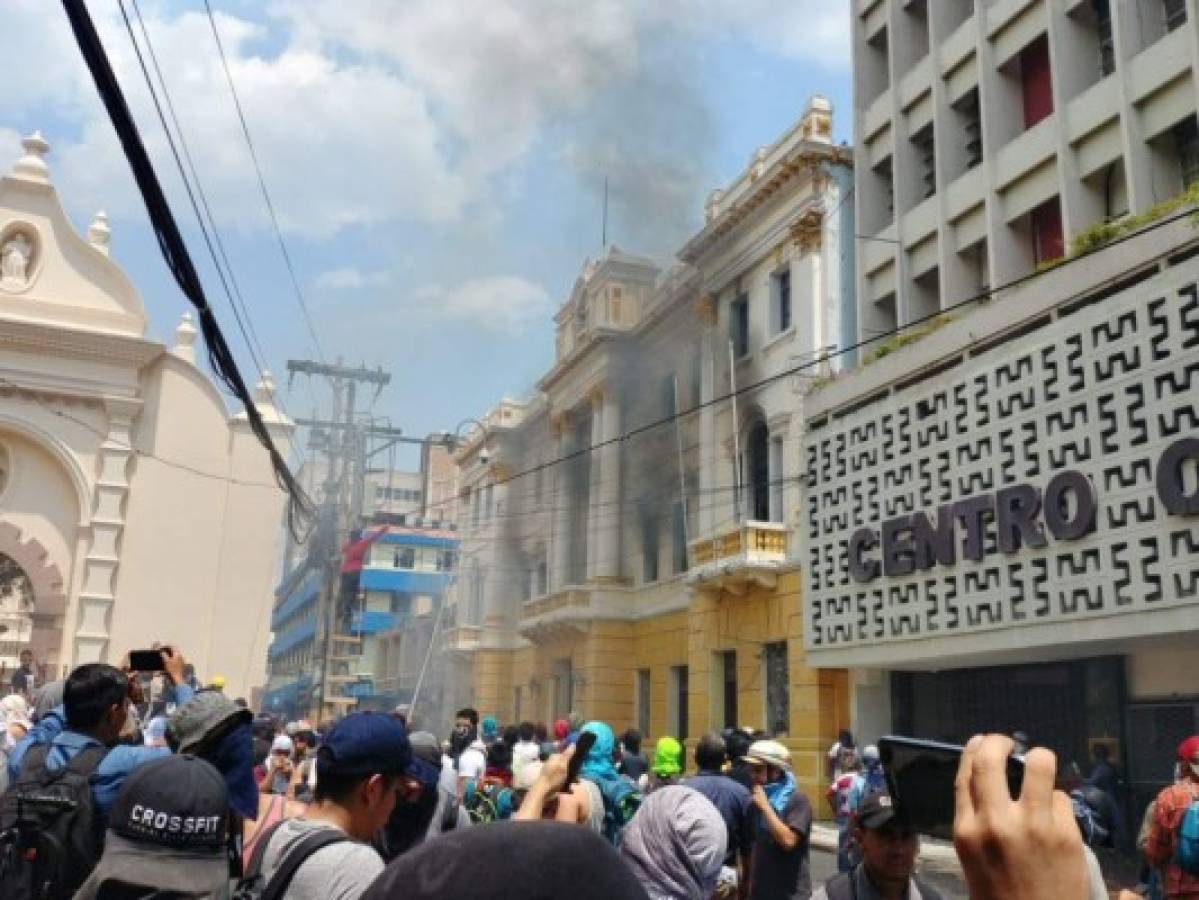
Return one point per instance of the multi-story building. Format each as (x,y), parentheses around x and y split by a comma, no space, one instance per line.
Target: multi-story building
(989,134)
(371,647)
(1002,523)
(628,544)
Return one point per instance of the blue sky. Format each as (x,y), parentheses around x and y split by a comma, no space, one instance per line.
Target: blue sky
(437,164)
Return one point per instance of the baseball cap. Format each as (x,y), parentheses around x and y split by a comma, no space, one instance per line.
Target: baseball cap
(206,714)
(769,753)
(366,743)
(877,810)
(167,828)
(282,744)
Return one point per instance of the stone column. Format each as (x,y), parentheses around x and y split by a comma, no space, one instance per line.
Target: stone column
(560,504)
(97,594)
(605,513)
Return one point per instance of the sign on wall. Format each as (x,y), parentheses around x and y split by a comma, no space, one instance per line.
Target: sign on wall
(1050,479)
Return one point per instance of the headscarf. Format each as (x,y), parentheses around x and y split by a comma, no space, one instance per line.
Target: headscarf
(537,860)
(47,697)
(15,711)
(491,729)
(668,758)
(779,794)
(676,844)
(598,766)
(1186,751)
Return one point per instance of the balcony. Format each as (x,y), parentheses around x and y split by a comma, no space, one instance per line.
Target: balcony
(462,638)
(739,558)
(556,615)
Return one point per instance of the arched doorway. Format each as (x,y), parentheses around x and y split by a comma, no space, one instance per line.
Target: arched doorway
(32,604)
(17,603)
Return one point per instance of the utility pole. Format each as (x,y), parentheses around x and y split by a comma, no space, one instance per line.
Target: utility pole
(341,509)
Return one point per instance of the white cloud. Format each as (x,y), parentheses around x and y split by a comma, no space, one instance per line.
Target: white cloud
(350,278)
(341,143)
(505,304)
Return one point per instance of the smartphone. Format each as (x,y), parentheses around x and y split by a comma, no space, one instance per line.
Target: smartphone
(920,776)
(582,748)
(146,661)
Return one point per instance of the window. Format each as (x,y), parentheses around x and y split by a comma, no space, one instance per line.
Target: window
(1186,139)
(759,472)
(780,293)
(543,578)
(697,377)
(776,479)
(1176,13)
(643,701)
(679,692)
(1036,82)
(666,396)
(727,667)
(680,538)
(922,143)
(649,543)
(488,502)
(445,560)
(404,558)
(778,691)
(1103,30)
(967,110)
(474,612)
(1047,231)
(739,326)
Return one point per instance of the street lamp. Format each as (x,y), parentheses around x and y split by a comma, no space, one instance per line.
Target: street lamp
(453,442)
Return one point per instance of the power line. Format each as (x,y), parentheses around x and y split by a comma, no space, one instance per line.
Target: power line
(252,344)
(174,248)
(266,196)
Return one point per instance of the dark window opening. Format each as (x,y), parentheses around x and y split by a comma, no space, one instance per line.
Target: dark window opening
(759,472)
(728,673)
(778,691)
(922,141)
(1047,231)
(1176,13)
(1103,29)
(680,538)
(782,300)
(681,691)
(1186,139)
(1036,81)
(739,326)
(649,544)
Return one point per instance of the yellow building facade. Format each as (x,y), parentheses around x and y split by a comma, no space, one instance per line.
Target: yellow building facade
(629,534)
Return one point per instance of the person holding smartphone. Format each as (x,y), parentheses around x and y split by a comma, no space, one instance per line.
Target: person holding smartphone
(279,767)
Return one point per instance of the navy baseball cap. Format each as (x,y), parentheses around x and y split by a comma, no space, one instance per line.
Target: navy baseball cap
(365,743)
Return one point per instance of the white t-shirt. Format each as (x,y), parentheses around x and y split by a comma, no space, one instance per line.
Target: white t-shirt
(472,763)
(524,753)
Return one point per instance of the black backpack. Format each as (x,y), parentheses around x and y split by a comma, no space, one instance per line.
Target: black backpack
(50,836)
(254,887)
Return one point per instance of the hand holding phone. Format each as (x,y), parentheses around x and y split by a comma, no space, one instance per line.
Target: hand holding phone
(1025,846)
(920,779)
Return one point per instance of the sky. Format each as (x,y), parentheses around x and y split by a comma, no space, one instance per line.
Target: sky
(436,166)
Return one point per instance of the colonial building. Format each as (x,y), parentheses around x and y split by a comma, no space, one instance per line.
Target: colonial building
(1001,517)
(633,555)
(133,506)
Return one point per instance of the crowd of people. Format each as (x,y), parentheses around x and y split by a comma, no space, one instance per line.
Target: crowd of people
(124,786)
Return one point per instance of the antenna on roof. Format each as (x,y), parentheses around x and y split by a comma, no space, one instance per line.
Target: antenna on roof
(605,225)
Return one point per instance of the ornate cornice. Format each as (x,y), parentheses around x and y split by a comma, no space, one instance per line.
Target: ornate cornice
(77,344)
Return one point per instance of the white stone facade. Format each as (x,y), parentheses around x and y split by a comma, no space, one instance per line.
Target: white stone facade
(139,508)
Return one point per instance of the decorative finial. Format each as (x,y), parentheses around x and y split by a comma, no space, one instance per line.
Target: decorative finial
(264,391)
(98,233)
(185,339)
(31,166)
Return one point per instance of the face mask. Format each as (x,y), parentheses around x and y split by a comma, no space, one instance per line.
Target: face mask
(409,823)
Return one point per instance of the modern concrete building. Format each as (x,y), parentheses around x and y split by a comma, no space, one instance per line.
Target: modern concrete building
(134,507)
(637,565)
(989,134)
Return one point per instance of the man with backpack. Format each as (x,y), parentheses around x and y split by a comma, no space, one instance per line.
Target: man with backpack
(64,779)
(363,768)
(1173,841)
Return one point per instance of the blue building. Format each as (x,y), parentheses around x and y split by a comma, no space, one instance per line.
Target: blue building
(393,582)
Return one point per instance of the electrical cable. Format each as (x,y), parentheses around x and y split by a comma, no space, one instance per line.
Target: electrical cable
(174,249)
(266,196)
